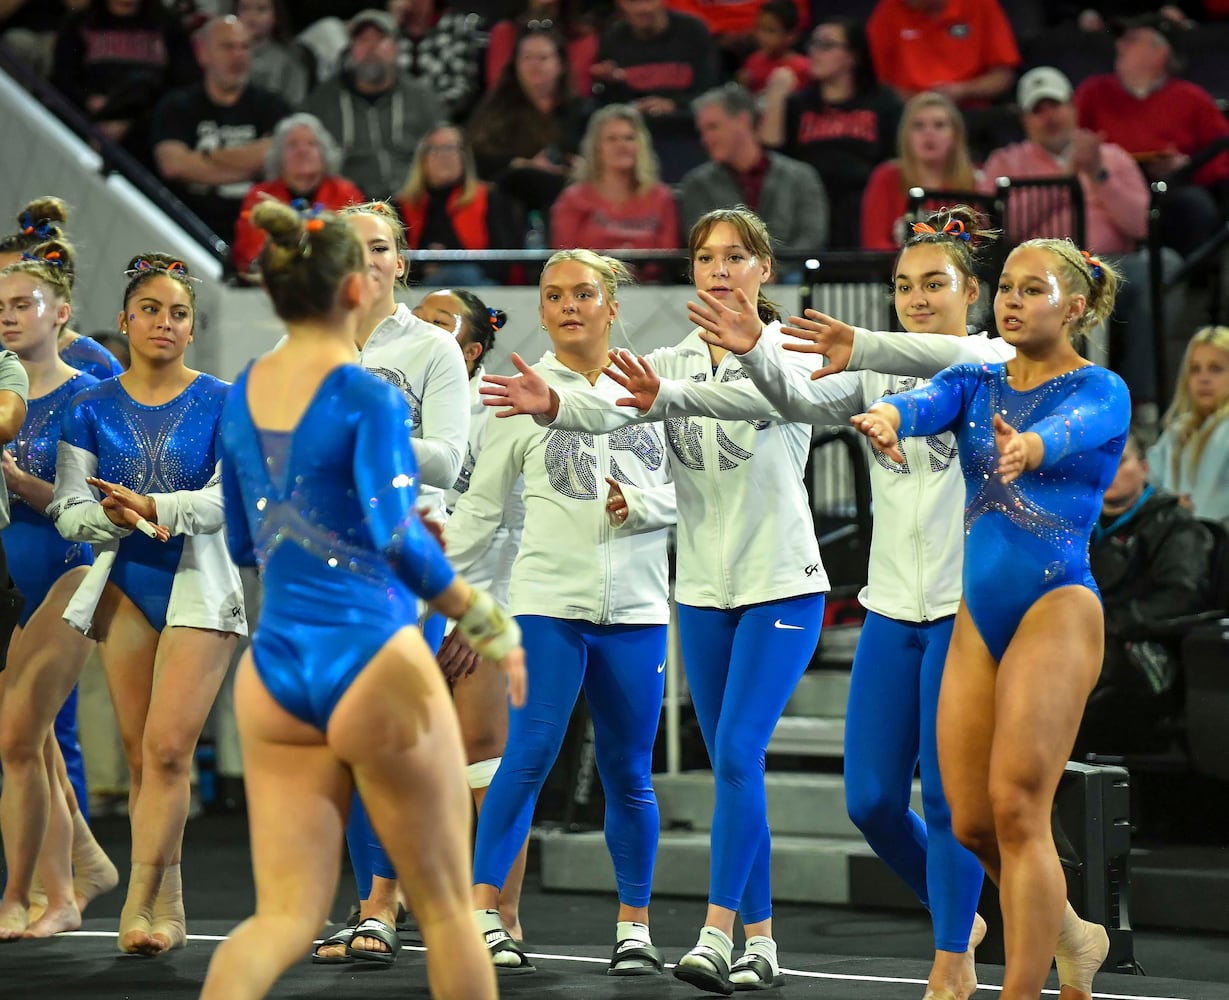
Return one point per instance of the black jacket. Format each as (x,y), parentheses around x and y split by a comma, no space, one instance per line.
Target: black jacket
(1154,566)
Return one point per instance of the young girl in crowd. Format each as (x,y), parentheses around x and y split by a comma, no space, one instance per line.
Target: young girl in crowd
(165,608)
(914,584)
(750,585)
(426,365)
(590,590)
(320,483)
(1191,457)
(477,689)
(40,818)
(1028,638)
(933,153)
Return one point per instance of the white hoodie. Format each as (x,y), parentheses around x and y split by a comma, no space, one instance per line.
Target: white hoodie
(572,563)
(427,365)
(917,546)
(492,572)
(745,535)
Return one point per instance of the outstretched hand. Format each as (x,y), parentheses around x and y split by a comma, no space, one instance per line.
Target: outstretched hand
(819,333)
(527,392)
(881,433)
(736,330)
(128,509)
(637,376)
(1017,452)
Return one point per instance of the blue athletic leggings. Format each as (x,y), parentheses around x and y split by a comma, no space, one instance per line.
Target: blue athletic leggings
(367,854)
(622,671)
(889,727)
(742,666)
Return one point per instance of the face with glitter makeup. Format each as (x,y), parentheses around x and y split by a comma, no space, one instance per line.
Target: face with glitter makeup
(574,306)
(1207,377)
(443,309)
(1030,306)
(932,294)
(31,315)
(722,264)
(158,320)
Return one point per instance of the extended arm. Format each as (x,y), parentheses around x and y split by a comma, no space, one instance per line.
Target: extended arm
(445,418)
(1095,412)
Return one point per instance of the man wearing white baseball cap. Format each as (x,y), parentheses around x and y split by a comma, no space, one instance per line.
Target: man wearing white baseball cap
(1116,199)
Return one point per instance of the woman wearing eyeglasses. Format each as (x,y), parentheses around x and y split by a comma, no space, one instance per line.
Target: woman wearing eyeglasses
(843,122)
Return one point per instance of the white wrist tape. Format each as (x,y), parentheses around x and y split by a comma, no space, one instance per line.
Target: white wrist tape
(491,632)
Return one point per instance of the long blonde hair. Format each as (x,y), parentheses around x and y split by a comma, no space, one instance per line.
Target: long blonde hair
(1187,426)
(958,170)
(646,173)
(416,183)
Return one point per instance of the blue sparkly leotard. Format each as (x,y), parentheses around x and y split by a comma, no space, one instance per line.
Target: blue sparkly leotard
(328,513)
(38,554)
(87,355)
(1025,538)
(150,449)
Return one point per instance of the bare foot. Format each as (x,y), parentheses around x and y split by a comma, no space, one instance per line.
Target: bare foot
(514,931)
(134,925)
(38,899)
(1081,950)
(61,917)
(331,951)
(92,879)
(13,921)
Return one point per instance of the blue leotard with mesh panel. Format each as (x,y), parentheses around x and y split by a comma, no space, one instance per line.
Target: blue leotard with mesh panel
(1025,538)
(87,355)
(332,524)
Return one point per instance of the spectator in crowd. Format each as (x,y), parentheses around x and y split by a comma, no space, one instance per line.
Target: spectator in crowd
(1095,19)
(568,18)
(962,49)
(277,65)
(776,33)
(376,113)
(210,139)
(526,131)
(1191,457)
(735,24)
(29,28)
(1161,120)
(301,166)
(617,201)
(446,207)
(1152,560)
(843,122)
(932,153)
(786,194)
(439,46)
(1115,212)
(654,58)
(115,58)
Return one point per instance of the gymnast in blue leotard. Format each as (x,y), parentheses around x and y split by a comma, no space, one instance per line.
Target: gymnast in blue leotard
(38,811)
(139,451)
(339,690)
(1039,438)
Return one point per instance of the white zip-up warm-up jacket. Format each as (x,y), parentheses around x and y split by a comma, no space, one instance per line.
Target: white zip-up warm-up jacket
(427,365)
(917,546)
(745,531)
(572,562)
(493,570)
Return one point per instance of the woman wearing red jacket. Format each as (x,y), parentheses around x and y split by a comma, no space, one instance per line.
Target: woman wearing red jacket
(446,207)
(302,164)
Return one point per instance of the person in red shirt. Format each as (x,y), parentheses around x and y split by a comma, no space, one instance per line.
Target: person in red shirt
(617,201)
(1162,120)
(302,163)
(776,32)
(933,153)
(568,18)
(962,49)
